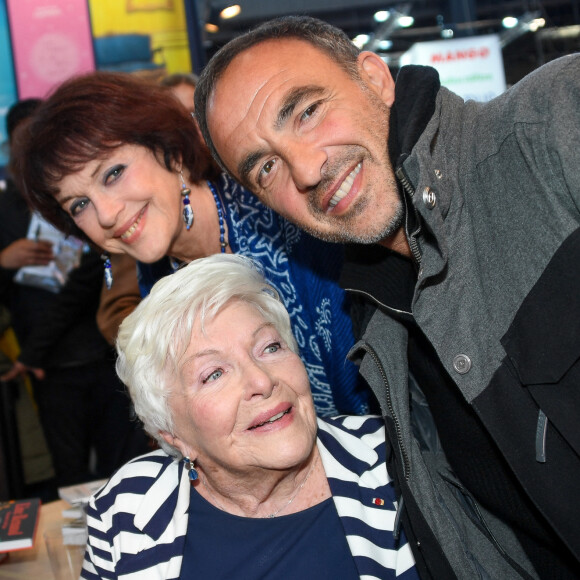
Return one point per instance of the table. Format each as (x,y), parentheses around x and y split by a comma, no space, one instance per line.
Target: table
(33,563)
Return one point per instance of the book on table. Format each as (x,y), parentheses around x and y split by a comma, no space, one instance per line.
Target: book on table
(18,523)
(80,493)
(78,496)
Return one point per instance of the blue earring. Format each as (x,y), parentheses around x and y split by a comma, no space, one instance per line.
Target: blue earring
(187,211)
(108,271)
(190,466)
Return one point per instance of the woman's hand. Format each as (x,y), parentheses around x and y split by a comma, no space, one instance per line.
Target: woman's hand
(25,252)
(20,369)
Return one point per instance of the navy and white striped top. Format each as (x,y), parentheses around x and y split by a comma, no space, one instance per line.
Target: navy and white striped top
(138,521)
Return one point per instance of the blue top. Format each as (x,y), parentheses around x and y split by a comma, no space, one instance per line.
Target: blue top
(307,544)
(305,272)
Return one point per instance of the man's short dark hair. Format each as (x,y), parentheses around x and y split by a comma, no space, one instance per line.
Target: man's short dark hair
(322,35)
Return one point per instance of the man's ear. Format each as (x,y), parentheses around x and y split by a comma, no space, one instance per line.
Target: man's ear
(375,72)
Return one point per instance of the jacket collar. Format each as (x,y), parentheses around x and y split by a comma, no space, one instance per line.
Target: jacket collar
(416,91)
(415,98)
(171,488)
(368,504)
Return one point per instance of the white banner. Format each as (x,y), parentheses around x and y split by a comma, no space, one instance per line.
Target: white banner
(471,67)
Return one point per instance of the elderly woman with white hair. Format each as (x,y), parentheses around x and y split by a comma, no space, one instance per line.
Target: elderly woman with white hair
(247,482)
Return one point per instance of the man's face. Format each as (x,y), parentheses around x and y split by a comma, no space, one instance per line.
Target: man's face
(309,140)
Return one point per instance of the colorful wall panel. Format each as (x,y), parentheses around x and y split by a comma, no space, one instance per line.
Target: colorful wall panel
(7,83)
(51,41)
(163,20)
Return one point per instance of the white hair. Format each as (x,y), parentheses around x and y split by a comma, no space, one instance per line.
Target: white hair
(154,337)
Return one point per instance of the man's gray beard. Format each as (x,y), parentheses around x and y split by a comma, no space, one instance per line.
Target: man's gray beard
(347,236)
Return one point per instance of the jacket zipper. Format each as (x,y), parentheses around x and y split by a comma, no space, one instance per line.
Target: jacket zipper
(406,462)
(410,191)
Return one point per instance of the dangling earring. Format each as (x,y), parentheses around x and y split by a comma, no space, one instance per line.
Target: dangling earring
(108,272)
(190,466)
(187,211)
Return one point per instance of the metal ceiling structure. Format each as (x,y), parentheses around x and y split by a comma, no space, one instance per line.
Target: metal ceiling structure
(523,51)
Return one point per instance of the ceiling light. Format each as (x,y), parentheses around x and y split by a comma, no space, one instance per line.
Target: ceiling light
(360,40)
(382,15)
(516,27)
(384,44)
(388,22)
(509,22)
(211,28)
(406,21)
(230,11)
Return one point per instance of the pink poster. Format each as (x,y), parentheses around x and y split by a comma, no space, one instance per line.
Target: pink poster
(51,41)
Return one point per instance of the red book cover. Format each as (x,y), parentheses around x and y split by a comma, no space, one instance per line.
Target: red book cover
(18,523)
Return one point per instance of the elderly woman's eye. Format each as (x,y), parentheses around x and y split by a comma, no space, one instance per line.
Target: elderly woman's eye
(213,376)
(274,347)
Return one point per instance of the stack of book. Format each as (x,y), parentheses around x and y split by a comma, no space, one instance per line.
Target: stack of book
(74,528)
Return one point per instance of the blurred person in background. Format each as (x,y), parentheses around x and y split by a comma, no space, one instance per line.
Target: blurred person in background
(183,87)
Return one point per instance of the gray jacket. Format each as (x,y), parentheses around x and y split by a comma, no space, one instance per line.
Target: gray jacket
(497,188)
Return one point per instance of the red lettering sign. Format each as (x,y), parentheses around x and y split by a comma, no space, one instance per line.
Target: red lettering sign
(467,54)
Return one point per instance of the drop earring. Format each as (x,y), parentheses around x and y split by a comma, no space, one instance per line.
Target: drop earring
(187,211)
(108,272)
(190,466)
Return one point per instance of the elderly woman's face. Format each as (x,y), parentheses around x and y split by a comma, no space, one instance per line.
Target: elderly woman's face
(126,203)
(243,401)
